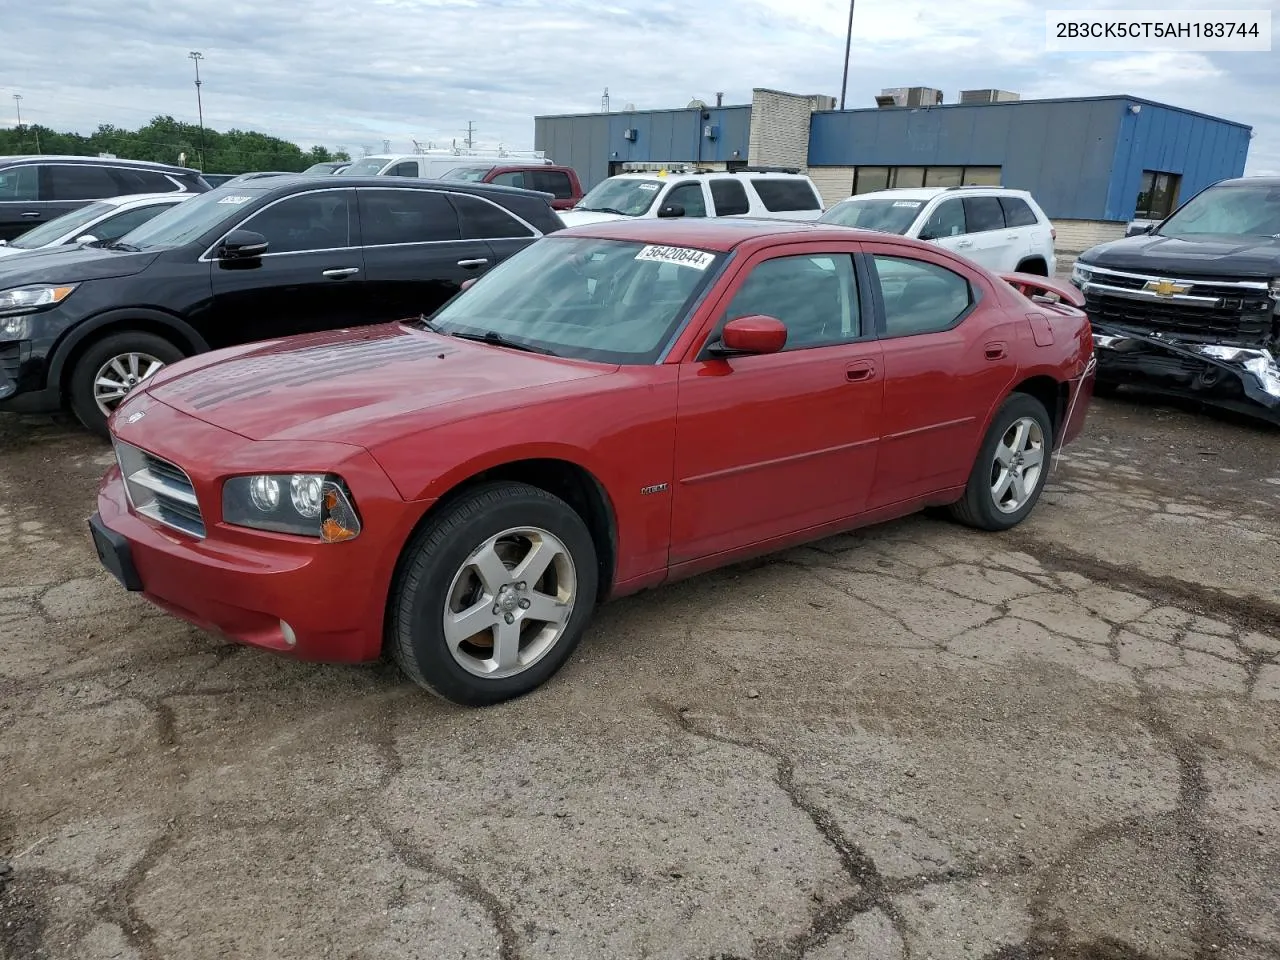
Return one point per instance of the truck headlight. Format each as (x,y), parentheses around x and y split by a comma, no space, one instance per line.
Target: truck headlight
(1081,274)
(33,298)
(304,504)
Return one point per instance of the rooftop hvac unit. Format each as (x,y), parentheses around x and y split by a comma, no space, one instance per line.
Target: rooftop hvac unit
(912,96)
(988,96)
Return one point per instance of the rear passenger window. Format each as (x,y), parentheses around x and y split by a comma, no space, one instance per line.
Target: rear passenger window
(983,213)
(80,182)
(514,178)
(482,220)
(140,181)
(920,297)
(1017,213)
(729,197)
(407,169)
(554,182)
(779,195)
(406,216)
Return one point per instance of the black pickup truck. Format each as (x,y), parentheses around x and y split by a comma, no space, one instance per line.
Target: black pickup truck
(1190,306)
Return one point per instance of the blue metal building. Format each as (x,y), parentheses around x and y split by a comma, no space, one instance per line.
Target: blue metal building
(1084,159)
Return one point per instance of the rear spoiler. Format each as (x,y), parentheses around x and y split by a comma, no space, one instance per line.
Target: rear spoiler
(1035,287)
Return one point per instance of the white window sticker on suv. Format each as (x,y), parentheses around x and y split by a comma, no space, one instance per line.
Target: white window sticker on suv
(648,186)
(908,203)
(235,199)
(681,256)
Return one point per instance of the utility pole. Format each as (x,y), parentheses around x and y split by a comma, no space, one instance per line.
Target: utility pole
(196,56)
(471,129)
(22,138)
(848,43)
(386,146)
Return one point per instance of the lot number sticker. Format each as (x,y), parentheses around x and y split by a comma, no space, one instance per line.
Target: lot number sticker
(235,199)
(649,186)
(907,203)
(681,256)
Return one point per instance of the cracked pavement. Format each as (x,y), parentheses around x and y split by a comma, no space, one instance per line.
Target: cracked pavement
(915,741)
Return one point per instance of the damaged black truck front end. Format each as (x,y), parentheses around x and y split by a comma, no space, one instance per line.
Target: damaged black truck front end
(1192,306)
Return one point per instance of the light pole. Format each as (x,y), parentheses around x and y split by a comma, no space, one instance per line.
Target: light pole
(22,140)
(848,42)
(196,56)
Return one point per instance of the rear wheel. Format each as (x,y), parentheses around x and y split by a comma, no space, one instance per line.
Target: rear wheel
(1011,467)
(107,371)
(494,595)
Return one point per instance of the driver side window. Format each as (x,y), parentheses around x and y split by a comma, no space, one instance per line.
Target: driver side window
(815,296)
(946,221)
(688,195)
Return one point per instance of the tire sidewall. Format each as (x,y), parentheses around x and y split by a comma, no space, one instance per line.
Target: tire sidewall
(1014,408)
(421,601)
(80,384)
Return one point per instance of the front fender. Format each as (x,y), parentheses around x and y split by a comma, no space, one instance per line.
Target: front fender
(102,323)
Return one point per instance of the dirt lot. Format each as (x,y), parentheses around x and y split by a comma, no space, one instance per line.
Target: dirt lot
(918,741)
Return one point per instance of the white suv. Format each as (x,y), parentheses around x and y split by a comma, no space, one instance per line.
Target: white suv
(998,228)
(771,194)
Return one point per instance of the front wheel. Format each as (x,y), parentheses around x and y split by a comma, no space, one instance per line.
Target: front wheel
(106,373)
(493,595)
(1011,468)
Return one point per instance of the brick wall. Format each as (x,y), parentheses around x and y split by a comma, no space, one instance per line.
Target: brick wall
(780,127)
(1077,236)
(834,183)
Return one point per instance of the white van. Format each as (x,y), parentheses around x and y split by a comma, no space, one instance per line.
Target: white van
(750,192)
(432,164)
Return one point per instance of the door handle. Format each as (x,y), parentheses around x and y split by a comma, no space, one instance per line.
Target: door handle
(472,264)
(964,243)
(860,372)
(341,273)
(30,215)
(996,351)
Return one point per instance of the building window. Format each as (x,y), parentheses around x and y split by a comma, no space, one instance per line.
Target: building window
(867,179)
(1158,196)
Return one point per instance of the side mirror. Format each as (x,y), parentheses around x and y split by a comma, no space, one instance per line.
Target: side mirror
(468,283)
(85,238)
(1138,228)
(242,245)
(671,210)
(750,335)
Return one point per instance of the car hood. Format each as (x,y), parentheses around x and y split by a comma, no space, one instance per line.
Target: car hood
(356,386)
(1209,256)
(63,264)
(578,218)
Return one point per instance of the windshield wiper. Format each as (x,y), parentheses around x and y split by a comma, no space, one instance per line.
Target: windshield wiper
(498,340)
(621,213)
(117,245)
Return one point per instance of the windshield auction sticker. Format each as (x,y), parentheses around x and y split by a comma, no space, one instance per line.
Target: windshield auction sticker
(681,256)
(908,203)
(235,199)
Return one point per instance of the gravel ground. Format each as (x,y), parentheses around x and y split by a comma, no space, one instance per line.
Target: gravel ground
(916,741)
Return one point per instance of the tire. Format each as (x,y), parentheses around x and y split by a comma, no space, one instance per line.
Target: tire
(978,507)
(147,348)
(1036,266)
(436,580)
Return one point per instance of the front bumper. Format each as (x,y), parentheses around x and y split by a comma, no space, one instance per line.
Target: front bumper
(23,379)
(309,600)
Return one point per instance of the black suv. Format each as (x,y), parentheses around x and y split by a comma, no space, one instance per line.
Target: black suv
(1190,306)
(249,261)
(37,189)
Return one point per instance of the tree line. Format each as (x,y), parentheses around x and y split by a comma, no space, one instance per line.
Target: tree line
(167,140)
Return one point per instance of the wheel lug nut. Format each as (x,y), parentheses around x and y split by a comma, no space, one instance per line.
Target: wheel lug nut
(510,618)
(524,604)
(521,585)
(497,609)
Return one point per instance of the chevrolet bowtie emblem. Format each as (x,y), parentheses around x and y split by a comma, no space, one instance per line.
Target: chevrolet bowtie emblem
(1165,288)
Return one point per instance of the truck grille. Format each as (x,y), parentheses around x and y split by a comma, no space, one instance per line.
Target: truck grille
(160,490)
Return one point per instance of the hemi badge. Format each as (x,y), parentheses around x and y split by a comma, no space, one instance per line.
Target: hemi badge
(656,488)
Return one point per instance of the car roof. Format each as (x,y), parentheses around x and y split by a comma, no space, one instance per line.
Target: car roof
(125,199)
(286,183)
(719,234)
(102,161)
(928,193)
(655,175)
(1249,182)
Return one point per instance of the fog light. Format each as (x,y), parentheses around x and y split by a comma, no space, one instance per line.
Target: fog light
(290,637)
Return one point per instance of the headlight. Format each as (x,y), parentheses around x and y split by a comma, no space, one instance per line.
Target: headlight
(30,299)
(14,328)
(1081,274)
(304,504)
(1275,293)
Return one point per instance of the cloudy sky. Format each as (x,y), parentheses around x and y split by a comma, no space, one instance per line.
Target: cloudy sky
(355,72)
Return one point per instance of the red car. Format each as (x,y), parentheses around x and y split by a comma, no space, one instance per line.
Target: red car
(614,407)
(561,182)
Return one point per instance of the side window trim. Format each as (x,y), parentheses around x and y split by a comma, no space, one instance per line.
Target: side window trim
(869,255)
(352,232)
(867,331)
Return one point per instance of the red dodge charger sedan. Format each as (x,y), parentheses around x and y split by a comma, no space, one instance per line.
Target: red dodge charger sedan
(615,407)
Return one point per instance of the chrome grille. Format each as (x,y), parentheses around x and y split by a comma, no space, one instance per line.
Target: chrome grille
(160,490)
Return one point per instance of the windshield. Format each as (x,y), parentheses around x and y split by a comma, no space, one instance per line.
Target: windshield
(628,198)
(466,173)
(58,227)
(364,167)
(1236,211)
(602,300)
(881,213)
(189,220)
